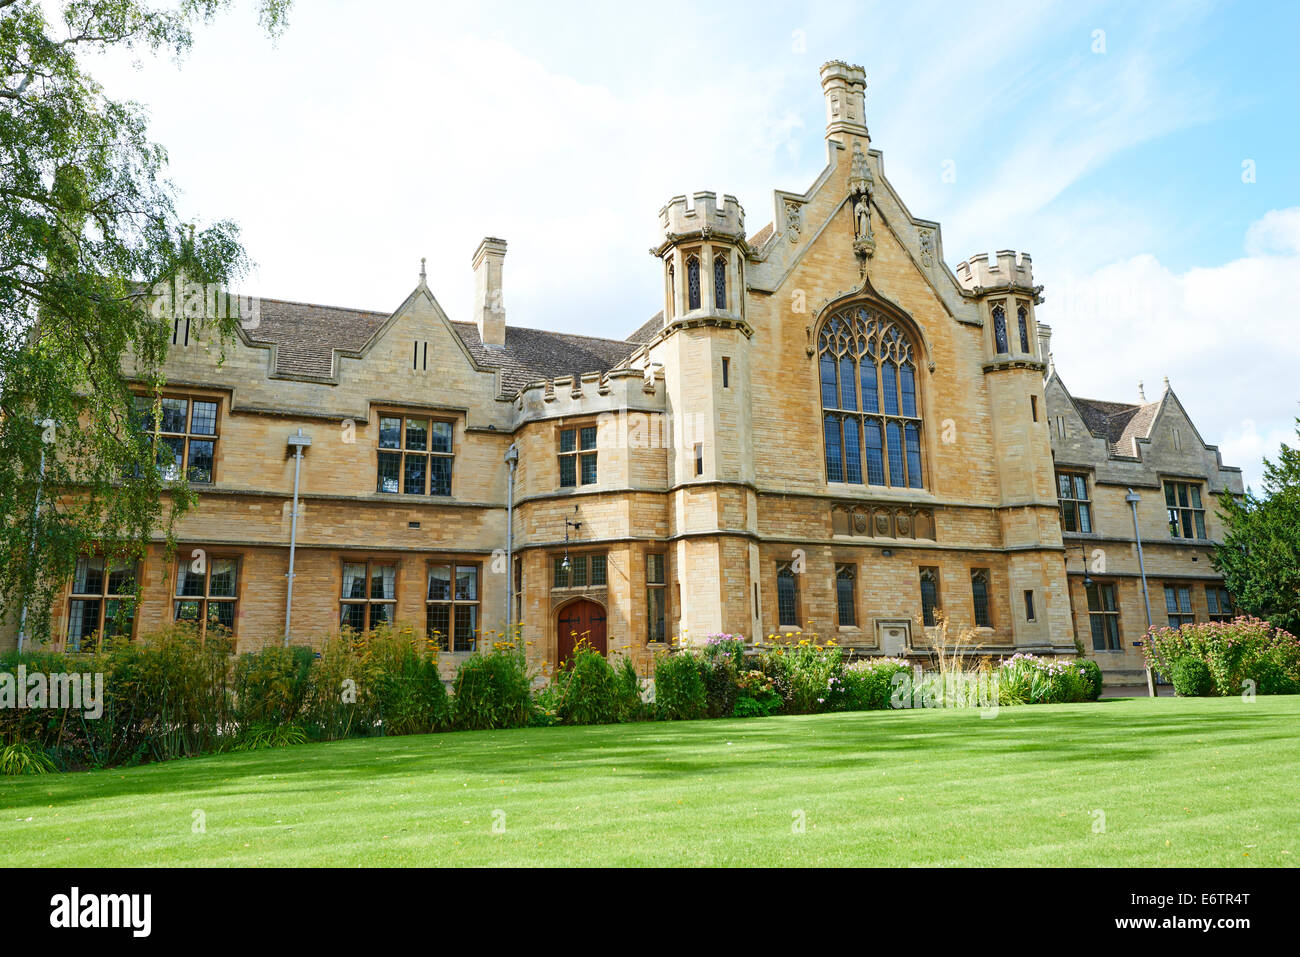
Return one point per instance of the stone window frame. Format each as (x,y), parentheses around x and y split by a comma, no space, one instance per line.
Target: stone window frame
(1022,324)
(187,437)
(449,641)
(1181,514)
(1181,614)
(562,580)
(1001,341)
(207,599)
(694,281)
(1218,603)
(931,574)
(1108,618)
(656,584)
(429,453)
(1082,507)
(855,333)
(846,571)
(579,455)
(103,597)
(369,561)
(984,577)
(785,571)
(720,267)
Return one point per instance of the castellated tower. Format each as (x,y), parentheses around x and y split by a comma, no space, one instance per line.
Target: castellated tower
(706,360)
(1013,373)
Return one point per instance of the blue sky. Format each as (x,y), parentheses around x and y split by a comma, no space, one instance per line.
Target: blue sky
(365,140)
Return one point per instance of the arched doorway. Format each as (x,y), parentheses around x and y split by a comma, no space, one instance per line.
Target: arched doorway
(578,620)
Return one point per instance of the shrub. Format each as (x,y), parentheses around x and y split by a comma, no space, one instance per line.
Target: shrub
(633,706)
(271,686)
(1029,679)
(260,737)
(402,684)
(809,676)
(591,692)
(869,683)
(545,711)
(492,690)
(19,757)
(1191,678)
(760,705)
(1092,673)
(336,706)
(1237,651)
(756,696)
(680,693)
(719,675)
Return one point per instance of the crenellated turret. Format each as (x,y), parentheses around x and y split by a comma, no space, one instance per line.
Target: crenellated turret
(1009,271)
(703,251)
(1008,295)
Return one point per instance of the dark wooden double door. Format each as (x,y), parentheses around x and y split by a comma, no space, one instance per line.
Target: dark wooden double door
(581,620)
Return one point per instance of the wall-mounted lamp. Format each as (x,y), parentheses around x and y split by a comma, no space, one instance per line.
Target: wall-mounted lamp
(569,524)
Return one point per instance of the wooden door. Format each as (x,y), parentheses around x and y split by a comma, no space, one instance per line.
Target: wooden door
(577,621)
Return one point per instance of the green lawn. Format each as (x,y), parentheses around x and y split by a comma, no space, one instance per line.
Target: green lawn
(1180,782)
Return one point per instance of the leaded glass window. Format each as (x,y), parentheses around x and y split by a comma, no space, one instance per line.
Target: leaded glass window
(693,283)
(871,412)
(1000,329)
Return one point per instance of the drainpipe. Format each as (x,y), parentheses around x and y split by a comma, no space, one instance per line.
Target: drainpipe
(297,443)
(512,461)
(31,551)
(1133,498)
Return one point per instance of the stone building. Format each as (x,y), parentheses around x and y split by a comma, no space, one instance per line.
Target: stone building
(823,427)
(1122,465)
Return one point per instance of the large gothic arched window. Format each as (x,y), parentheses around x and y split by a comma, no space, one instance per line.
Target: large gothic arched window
(870,410)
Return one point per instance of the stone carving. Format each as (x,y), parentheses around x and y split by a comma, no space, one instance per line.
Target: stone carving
(793,220)
(882,520)
(862,185)
(927,248)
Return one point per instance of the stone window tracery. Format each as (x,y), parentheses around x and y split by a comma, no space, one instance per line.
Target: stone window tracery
(870,400)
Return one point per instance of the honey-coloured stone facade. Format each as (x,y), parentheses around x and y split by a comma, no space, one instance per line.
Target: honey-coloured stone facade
(707,435)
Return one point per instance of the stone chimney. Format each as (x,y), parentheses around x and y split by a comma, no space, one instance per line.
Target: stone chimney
(845,87)
(489,307)
(1044,342)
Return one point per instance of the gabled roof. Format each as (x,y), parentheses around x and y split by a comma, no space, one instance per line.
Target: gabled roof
(306,335)
(1121,424)
(533,354)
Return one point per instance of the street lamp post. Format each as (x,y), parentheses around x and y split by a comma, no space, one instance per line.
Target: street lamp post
(512,462)
(1133,498)
(295,444)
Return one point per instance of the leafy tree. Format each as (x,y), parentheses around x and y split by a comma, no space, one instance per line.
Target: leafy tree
(88,226)
(1260,554)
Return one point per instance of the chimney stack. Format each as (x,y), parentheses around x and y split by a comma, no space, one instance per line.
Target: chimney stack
(844,86)
(489,307)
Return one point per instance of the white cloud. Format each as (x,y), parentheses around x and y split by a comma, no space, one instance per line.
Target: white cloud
(1247,444)
(1225,336)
